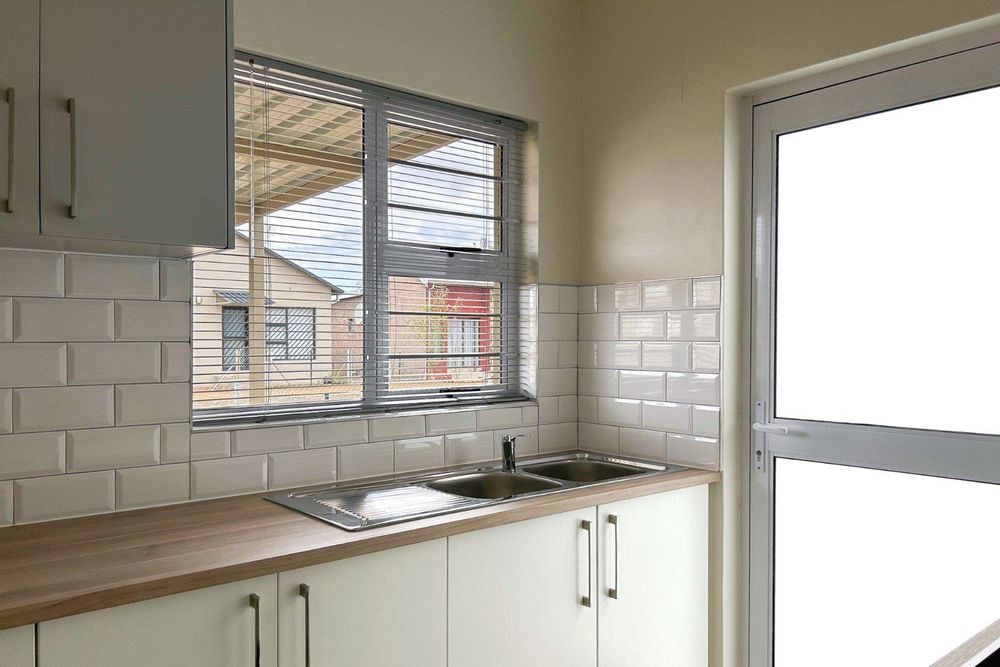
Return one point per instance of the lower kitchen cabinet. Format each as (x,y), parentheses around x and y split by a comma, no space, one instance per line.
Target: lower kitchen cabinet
(211,627)
(653,590)
(516,594)
(17,646)
(378,610)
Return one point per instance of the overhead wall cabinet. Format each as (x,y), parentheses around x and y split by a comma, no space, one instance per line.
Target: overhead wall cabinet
(117,126)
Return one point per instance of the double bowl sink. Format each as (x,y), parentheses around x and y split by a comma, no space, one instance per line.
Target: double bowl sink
(360,506)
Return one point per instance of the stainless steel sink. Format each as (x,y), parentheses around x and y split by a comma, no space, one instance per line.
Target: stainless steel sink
(492,484)
(583,470)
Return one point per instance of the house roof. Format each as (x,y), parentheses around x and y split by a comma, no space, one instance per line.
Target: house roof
(285,258)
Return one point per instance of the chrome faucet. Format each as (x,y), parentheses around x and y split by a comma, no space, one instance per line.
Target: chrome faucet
(507,444)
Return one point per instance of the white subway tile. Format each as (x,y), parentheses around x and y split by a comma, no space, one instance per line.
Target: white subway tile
(693,388)
(705,357)
(113,363)
(62,320)
(619,412)
(599,438)
(468,448)
(548,299)
(26,273)
(152,320)
(419,453)
(556,326)
(395,428)
(693,325)
(108,277)
(265,440)
(642,326)
(663,416)
(666,356)
(568,301)
(103,448)
(152,403)
(556,381)
(666,294)
(613,354)
(567,408)
(228,477)
(176,362)
(302,468)
(6,319)
(707,292)
(210,445)
(175,280)
(548,354)
(58,408)
(598,381)
(623,296)
(586,301)
(587,408)
(694,451)
(548,409)
(32,364)
(155,485)
(648,445)
(586,354)
(557,437)
(62,496)
(598,326)
(644,385)
(567,354)
(529,416)
(175,443)
(6,403)
(705,420)
(6,503)
(341,432)
(32,454)
(495,418)
(365,460)
(527,442)
(451,422)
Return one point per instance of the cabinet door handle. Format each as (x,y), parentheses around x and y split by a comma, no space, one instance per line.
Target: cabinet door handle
(613,590)
(585,600)
(255,605)
(9,205)
(304,592)
(71,108)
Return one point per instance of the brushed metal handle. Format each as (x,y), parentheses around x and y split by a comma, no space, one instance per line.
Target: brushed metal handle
(613,590)
(255,605)
(71,108)
(770,428)
(304,592)
(585,601)
(9,204)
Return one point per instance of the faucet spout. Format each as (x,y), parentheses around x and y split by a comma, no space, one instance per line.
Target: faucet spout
(508,444)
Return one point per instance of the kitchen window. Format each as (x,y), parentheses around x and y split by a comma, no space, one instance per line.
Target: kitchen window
(379,260)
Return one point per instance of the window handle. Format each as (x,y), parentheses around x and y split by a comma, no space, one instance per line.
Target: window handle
(770,428)
(9,204)
(71,108)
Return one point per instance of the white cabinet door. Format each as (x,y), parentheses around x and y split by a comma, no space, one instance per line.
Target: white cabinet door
(17,647)
(653,596)
(19,117)
(515,594)
(150,82)
(378,610)
(211,627)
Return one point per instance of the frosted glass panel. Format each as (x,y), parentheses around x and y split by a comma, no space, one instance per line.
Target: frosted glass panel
(888,268)
(880,568)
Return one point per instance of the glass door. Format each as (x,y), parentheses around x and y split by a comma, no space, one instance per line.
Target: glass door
(875,471)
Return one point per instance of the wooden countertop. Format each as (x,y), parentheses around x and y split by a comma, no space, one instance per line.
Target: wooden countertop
(59,568)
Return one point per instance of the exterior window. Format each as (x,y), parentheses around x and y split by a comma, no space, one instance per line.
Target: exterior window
(378,257)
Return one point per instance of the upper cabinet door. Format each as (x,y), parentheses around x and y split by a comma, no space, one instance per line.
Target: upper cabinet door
(135,120)
(19,117)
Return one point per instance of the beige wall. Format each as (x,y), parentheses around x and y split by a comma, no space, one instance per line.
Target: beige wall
(515,57)
(654,80)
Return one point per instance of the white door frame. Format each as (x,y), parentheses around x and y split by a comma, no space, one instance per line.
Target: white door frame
(955,455)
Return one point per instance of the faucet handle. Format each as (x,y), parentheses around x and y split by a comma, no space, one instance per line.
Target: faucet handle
(507,437)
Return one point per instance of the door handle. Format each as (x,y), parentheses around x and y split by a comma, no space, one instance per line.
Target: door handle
(255,605)
(304,592)
(770,428)
(71,108)
(613,590)
(9,204)
(585,600)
